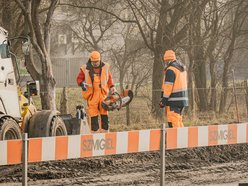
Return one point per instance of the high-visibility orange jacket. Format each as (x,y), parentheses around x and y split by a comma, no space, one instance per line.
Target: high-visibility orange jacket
(175,85)
(86,75)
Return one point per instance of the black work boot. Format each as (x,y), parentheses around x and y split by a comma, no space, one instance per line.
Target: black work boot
(94,123)
(105,123)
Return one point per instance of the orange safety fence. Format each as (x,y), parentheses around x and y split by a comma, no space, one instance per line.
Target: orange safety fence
(211,135)
(80,146)
(101,144)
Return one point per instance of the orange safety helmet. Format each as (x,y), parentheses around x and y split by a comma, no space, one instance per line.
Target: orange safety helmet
(169,55)
(95,56)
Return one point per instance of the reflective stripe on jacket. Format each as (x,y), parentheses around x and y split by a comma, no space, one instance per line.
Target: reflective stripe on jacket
(176,90)
(88,82)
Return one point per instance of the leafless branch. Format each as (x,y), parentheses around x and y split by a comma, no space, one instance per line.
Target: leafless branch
(100,9)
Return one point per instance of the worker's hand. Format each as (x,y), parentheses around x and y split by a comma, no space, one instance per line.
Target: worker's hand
(162,103)
(83,86)
(113,90)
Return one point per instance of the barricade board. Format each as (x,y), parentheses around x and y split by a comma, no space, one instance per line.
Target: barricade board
(101,144)
(80,146)
(188,137)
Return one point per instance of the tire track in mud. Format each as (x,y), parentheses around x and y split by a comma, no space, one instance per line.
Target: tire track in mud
(188,166)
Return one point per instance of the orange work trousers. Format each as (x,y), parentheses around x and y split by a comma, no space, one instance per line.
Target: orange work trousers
(174,116)
(95,109)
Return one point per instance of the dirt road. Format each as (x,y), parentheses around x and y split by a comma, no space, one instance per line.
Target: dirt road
(223,165)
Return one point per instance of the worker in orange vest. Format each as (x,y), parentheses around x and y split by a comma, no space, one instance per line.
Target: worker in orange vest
(96,80)
(174,89)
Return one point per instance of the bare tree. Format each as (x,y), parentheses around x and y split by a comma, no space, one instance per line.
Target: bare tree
(123,56)
(209,27)
(196,51)
(141,72)
(165,30)
(39,33)
(130,62)
(214,23)
(92,27)
(209,34)
(237,20)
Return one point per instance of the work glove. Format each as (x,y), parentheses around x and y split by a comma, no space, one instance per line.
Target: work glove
(113,90)
(83,86)
(163,101)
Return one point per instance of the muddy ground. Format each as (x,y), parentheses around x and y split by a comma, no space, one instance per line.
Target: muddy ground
(222,165)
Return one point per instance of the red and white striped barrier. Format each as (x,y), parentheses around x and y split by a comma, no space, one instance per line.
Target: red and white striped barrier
(79,146)
(10,152)
(211,135)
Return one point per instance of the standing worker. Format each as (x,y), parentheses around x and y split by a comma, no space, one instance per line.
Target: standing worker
(96,80)
(174,89)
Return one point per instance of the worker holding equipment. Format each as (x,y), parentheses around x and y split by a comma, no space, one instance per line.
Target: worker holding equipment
(96,81)
(174,89)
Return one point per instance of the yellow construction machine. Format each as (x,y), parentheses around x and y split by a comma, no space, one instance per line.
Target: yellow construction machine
(18,113)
